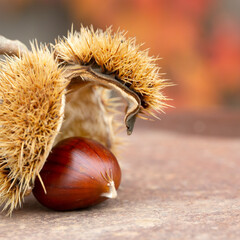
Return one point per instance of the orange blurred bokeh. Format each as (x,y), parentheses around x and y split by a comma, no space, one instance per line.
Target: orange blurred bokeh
(198,41)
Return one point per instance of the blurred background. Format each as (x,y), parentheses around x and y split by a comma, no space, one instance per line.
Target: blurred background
(198,41)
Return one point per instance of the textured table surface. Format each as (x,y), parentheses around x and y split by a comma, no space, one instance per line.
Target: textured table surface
(180,181)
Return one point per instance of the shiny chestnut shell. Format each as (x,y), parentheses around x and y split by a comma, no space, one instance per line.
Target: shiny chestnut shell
(77,175)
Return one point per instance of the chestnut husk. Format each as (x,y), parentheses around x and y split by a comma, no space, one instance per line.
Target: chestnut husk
(78,173)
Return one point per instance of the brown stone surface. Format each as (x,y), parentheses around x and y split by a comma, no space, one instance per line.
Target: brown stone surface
(180,181)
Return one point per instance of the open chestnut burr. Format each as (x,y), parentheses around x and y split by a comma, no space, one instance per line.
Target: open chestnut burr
(51,94)
(78,173)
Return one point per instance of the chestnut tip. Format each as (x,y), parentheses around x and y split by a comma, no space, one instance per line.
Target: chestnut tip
(112,193)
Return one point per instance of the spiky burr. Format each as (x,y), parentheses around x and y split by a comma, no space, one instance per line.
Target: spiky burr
(49,95)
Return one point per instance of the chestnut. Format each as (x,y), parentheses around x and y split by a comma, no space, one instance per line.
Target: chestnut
(78,173)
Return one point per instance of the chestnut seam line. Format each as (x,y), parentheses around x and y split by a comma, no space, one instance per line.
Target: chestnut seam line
(72,187)
(90,148)
(54,163)
(96,153)
(85,155)
(104,164)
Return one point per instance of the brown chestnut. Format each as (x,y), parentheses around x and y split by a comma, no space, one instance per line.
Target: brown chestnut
(78,173)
